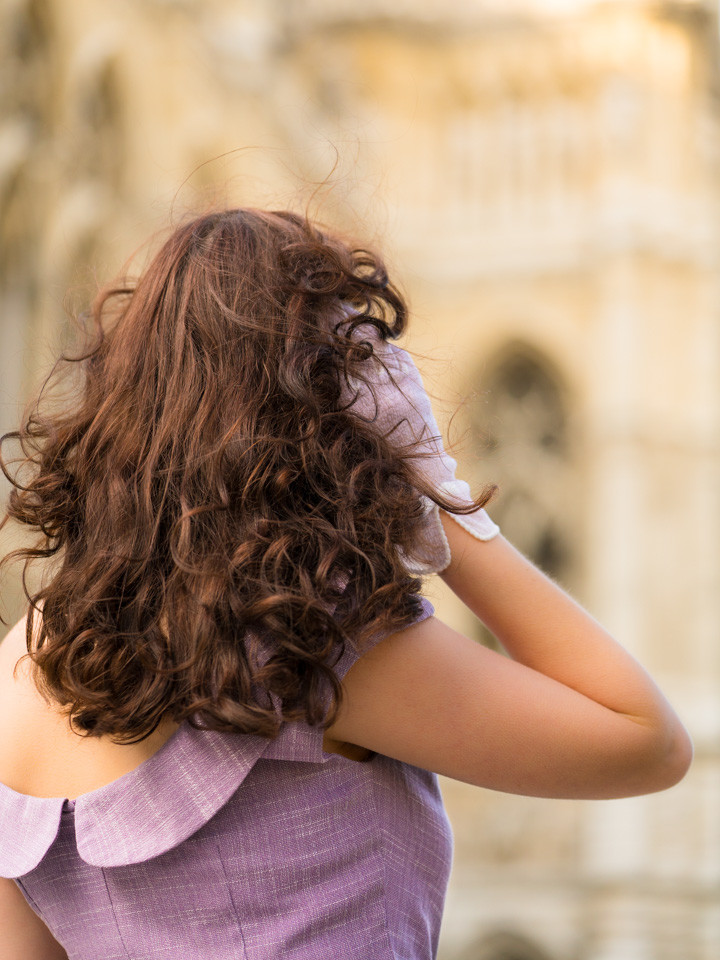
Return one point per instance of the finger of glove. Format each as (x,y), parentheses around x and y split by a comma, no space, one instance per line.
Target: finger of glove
(397,403)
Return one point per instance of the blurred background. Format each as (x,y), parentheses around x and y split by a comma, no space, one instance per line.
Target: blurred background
(544,180)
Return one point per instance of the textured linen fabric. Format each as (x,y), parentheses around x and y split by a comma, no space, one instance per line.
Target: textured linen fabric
(227,847)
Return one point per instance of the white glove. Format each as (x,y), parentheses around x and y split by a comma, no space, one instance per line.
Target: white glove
(401,410)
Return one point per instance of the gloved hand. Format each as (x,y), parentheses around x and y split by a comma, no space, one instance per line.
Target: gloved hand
(402,411)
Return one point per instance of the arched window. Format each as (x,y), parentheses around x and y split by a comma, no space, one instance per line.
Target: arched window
(26,104)
(505,946)
(522,432)
(27,46)
(95,121)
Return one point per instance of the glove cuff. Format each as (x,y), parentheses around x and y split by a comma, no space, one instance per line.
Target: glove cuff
(432,553)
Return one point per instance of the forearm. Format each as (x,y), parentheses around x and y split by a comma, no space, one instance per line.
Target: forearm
(544,629)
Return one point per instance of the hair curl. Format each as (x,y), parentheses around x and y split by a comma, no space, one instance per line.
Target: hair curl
(221,524)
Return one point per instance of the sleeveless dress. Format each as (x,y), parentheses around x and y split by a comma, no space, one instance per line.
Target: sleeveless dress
(231,847)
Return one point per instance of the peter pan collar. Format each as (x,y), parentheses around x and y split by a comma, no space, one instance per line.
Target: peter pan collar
(154,807)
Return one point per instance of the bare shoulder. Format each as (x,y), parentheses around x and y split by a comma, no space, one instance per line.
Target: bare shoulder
(29,723)
(40,753)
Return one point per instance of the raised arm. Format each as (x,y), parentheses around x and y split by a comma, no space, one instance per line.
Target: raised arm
(572,714)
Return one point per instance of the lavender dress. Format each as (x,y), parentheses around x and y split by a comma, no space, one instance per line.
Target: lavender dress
(226,847)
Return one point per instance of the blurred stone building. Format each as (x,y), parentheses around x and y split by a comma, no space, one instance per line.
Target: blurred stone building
(545,179)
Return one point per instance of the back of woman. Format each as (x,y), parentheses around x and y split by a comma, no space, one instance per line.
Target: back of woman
(234,698)
(231,846)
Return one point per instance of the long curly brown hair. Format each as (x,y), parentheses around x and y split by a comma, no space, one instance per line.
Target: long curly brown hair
(220,523)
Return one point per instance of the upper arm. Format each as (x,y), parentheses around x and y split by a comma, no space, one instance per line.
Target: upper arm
(24,935)
(433,698)
(581,719)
